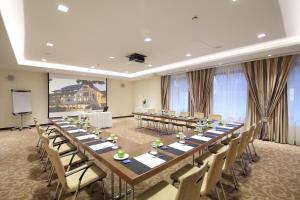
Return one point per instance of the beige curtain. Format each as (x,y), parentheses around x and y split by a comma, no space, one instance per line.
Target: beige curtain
(200,90)
(165,92)
(268,96)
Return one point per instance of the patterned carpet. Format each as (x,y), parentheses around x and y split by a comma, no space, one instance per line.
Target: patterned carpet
(274,175)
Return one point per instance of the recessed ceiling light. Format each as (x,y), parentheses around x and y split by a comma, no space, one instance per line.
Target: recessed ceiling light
(234,0)
(49,44)
(149,65)
(147,39)
(269,55)
(111,57)
(62,8)
(92,67)
(188,55)
(44,60)
(261,35)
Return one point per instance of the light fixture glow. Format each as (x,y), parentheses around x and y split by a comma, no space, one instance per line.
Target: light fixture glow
(44,60)
(269,55)
(149,65)
(49,44)
(234,0)
(111,57)
(93,67)
(147,39)
(188,55)
(62,8)
(261,35)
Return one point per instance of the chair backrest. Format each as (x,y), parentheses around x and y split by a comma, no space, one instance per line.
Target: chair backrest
(184,114)
(214,173)
(172,113)
(232,151)
(215,117)
(151,110)
(190,185)
(57,164)
(199,115)
(250,134)
(256,131)
(243,143)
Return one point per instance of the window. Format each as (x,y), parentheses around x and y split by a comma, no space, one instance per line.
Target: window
(294,103)
(179,93)
(230,93)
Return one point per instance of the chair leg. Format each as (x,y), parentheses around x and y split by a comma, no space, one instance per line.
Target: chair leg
(218,195)
(50,177)
(248,155)
(103,189)
(46,163)
(223,192)
(38,143)
(235,176)
(248,146)
(77,189)
(60,193)
(242,165)
(234,179)
(254,149)
(57,189)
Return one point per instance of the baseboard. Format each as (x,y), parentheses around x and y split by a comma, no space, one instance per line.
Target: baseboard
(9,128)
(123,116)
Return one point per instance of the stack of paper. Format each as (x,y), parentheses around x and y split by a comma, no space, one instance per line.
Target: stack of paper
(202,138)
(149,160)
(181,147)
(214,131)
(67,126)
(226,127)
(103,145)
(83,137)
(76,131)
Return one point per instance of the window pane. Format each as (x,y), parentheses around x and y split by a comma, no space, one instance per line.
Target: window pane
(230,93)
(179,93)
(294,103)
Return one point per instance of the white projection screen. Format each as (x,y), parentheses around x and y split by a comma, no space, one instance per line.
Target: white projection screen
(71,96)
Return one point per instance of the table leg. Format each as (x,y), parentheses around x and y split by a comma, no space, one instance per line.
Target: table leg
(120,187)
(132,192)
(112,186)
(125,191)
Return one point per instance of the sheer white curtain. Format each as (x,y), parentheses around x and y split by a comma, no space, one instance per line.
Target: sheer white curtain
(179,93)
(294,103)
(230,93)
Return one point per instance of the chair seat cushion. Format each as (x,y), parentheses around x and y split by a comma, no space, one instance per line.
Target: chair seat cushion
(92,175)
(185,170)
(78,158)
(160,191)
(66,147)
(214,149)
(206,157)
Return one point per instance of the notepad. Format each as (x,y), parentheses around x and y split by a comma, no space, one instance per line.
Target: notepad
(226,127)
(233,123)
(149,160)
(103,145)
(214,131)
(181,147)
(83,137)
(63,122)
(67,126)
(76,131)
(202,138)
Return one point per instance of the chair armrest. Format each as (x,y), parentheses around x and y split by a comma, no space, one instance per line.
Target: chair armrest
(83,167)
(69,153)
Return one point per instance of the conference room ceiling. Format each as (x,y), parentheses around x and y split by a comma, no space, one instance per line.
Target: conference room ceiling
(93,31)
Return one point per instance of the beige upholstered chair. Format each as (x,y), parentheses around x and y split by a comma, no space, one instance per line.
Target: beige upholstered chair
(189,187)
(75,179)
(212,176)
(199,115)
(215,117)
(184,114)
(248,139)
(255,134)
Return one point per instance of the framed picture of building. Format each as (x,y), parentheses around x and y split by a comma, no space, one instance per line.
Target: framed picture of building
(72,96)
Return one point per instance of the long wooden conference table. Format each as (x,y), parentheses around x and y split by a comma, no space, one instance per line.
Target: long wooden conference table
(142,165)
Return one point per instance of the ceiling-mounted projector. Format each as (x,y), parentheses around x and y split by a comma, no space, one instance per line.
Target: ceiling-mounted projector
(137,57)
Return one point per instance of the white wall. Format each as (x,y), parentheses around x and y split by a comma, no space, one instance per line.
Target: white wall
(34,81)
(119,97)
(148,89)
(119,100)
